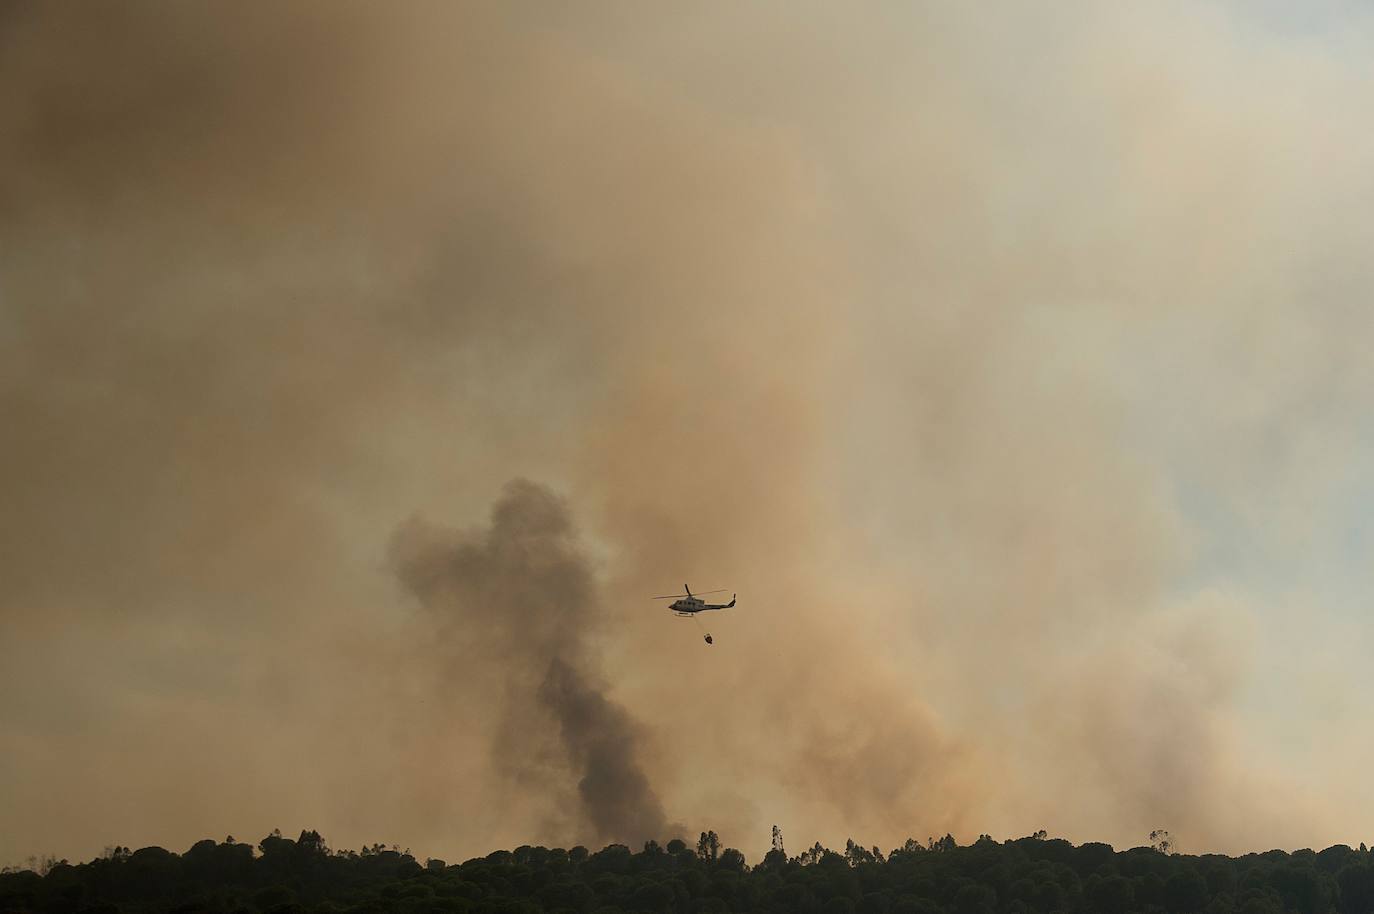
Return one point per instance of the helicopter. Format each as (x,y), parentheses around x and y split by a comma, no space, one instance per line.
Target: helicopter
(692,604)
(687,607)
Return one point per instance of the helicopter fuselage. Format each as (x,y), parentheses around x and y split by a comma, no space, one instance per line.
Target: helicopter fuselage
(691,606)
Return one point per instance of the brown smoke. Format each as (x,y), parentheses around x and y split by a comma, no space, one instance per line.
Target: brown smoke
(940,334)
(523,592)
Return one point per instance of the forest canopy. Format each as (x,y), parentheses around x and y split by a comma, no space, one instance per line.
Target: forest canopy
(1020,876)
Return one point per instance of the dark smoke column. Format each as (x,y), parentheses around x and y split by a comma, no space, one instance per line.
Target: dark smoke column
(521,592)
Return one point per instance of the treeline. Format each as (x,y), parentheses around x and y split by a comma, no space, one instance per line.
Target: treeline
(1022,876)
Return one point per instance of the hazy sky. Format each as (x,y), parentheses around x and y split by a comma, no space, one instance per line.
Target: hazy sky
(365,369)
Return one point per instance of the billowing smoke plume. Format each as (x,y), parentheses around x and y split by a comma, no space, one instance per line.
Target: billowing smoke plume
(522,591)
(1010,364)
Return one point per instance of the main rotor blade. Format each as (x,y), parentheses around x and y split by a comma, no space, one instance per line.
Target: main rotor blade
(683,596)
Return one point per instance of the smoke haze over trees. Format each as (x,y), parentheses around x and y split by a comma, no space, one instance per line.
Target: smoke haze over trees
(1011,364)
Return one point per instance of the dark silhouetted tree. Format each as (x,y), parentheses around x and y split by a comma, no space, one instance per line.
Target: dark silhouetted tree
(947,843)
(776,858)
(311,845)
(909,848)
(855,854)
(732,860)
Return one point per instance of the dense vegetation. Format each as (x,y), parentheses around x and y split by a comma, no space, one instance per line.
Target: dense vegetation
(1032,874)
